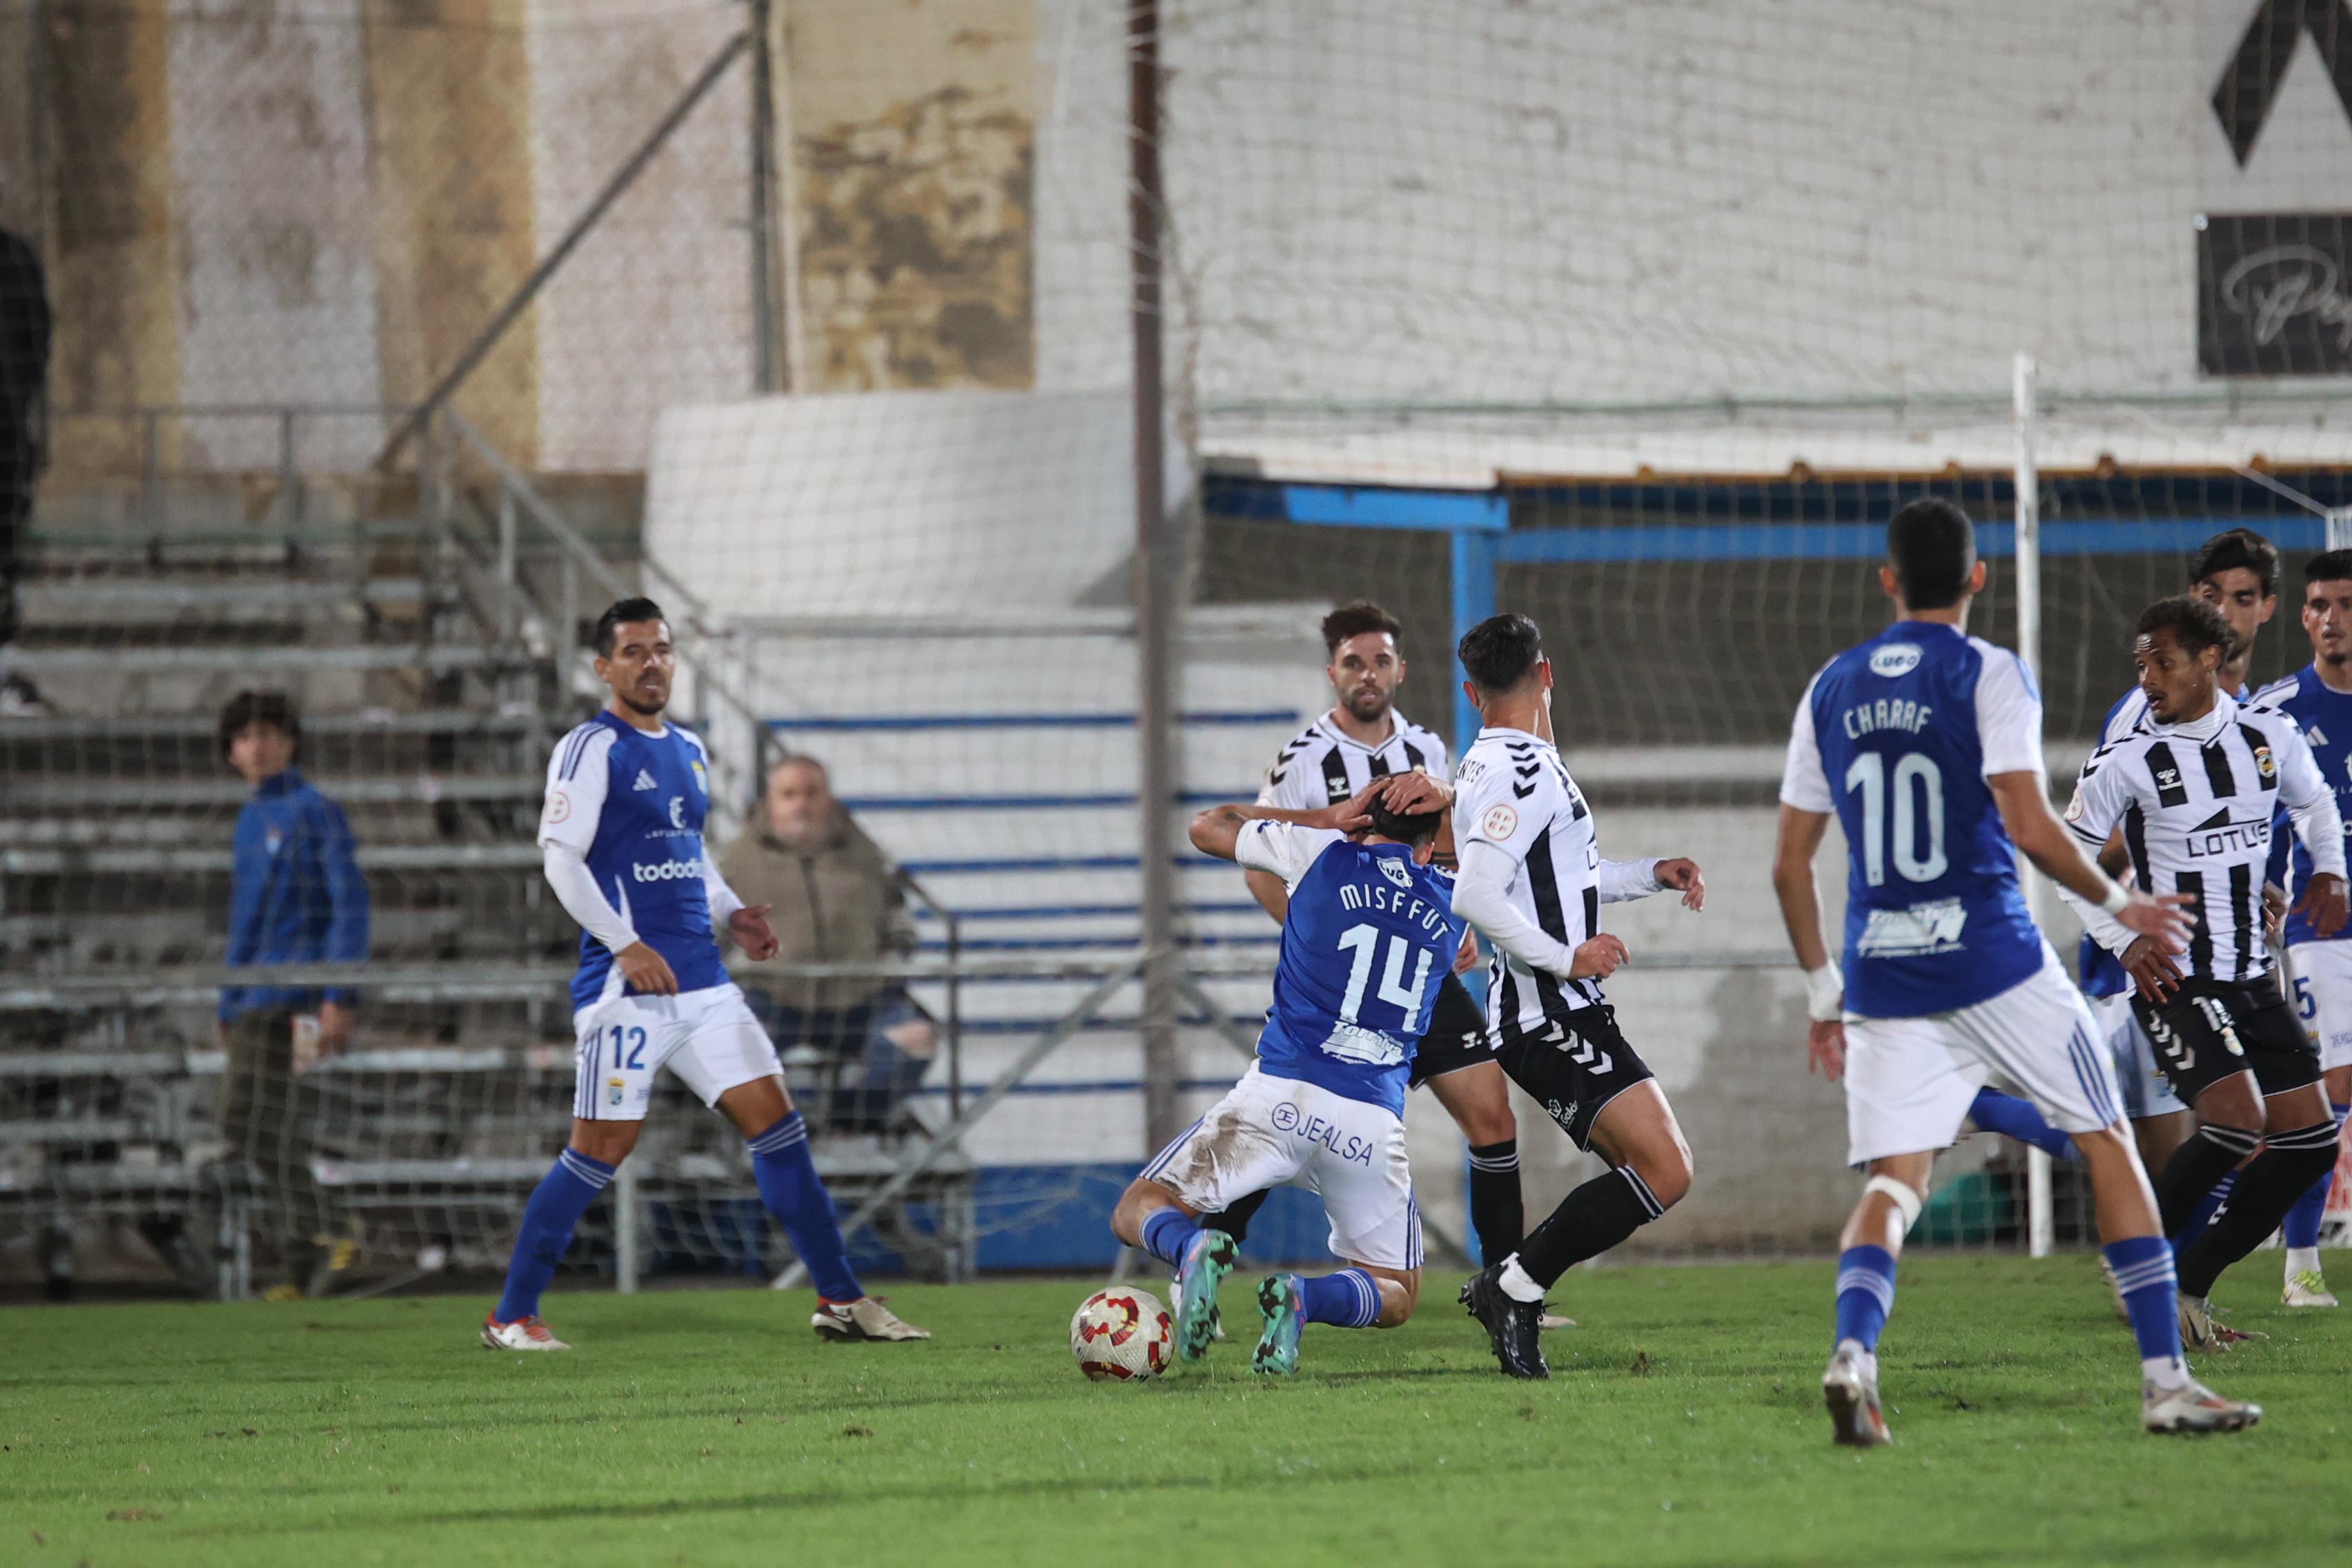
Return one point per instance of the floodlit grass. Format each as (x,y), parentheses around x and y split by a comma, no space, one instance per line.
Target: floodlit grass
(1682,1423)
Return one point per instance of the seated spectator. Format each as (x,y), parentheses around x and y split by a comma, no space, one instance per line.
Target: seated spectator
(835,898)
(295,896)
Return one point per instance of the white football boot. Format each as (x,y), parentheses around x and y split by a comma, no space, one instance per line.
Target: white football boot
(2193,1407)
(2306,1289)
(864,1319)
(522,1334)
(1850,1389)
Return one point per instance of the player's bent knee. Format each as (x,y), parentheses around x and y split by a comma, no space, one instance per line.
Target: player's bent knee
(1142,1198)
(1400,1294)
(608,1142)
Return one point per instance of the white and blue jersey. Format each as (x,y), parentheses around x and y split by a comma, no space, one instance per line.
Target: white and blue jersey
(633,803)
(2325,718)
(1908,727)
(1369,938)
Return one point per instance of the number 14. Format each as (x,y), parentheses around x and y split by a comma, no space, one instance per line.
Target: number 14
(1361,940)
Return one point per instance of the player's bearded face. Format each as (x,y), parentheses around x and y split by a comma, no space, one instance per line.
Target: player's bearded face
(2177,681)
(2238,595)
(1365,671)
(638,668)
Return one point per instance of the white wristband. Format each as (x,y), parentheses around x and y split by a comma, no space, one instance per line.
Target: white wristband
(1825,995)
(2117,901)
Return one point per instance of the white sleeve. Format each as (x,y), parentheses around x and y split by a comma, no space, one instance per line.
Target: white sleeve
(576,889)
(576,780)
(1285,849)
(2009,715)
(2317,821)
(1288,779)
(1623,880)
(1802,784)
(724,900)
(1482,897)
(2101,795)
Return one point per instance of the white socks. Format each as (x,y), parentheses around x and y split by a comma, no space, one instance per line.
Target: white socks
(2164,1371)
(1515,1281)
(1868,1360)
(2302,1259)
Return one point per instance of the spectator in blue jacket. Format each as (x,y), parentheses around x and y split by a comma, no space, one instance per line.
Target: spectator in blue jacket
(295,896)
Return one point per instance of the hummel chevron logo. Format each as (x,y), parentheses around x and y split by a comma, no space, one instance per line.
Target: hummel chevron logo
(645,781)
(1586,1055)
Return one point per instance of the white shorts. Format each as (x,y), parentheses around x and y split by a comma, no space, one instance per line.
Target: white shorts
(708,1038)
(2323,998)
(1909,1081)
(1276,1131)
(2147,1091)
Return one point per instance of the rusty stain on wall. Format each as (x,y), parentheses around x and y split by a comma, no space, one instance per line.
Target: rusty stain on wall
(449,156)
(914,137)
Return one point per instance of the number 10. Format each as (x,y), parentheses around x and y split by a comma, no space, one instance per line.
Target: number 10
(1868,775)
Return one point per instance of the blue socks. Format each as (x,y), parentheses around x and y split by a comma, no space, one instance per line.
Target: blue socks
(556,1204)
(2301,1225)
(2015,1118)
(2143,1266)
(792,1191)
(1866,1294)
(2202,1214)
(1167,1233)
(1347,1299)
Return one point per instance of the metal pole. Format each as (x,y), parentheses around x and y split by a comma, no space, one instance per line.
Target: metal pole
(2040,1229)
(628,1232)
(1154,584)
(765,378)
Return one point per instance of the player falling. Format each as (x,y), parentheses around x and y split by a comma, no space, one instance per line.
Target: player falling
(1368,934)
(1362,738)
(2318,697)
(2194,789)
(622,836)
(1532,882)
(1926,743)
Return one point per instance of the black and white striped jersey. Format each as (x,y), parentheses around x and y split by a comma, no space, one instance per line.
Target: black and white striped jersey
(1513,793)
(2196,802)
(1322,765)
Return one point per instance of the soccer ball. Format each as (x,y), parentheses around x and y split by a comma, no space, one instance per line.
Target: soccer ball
(1122,1335)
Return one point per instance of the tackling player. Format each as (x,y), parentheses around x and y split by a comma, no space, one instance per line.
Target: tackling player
(621,835)
(2195,789)
(1926,743)
(2318,697)
(1362,738)
(1368,934)
(1532,882)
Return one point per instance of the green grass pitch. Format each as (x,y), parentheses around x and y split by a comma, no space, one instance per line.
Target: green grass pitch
(1682,1424)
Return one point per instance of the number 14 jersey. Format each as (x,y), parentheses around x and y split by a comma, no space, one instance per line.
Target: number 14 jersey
(1896,737)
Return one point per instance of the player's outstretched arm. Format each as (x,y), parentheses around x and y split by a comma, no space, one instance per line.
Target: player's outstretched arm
(1798,839)
(1218,830)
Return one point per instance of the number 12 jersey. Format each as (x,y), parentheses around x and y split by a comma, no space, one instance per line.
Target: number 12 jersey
(1896,737)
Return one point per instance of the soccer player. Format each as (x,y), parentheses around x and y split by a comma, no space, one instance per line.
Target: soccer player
(1368,933)
(2236,571)
(2194,789)
(1362,738)
(2318,697)
(621,835)
(1926,743)
(1532,882)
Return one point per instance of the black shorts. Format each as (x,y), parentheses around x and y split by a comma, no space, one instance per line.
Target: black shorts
(1457,1037)
(1574,1067)
(2214,1029)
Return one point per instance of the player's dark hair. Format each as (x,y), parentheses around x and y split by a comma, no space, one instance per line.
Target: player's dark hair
(1497,653)
(638,609)
(2236,547)
(1353,621)
(2329,566)
(2194,623)
(247,709)
(1404,829)
(1931,544)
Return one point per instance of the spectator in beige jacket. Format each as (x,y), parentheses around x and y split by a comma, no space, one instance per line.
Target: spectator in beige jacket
(835,898)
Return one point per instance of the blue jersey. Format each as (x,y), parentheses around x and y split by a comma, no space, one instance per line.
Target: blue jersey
(296,894)
(633,805)
(1368,939)
(1896,737)
(2326,719)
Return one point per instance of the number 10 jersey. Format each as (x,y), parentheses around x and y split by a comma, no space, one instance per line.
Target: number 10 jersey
(1896,737)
